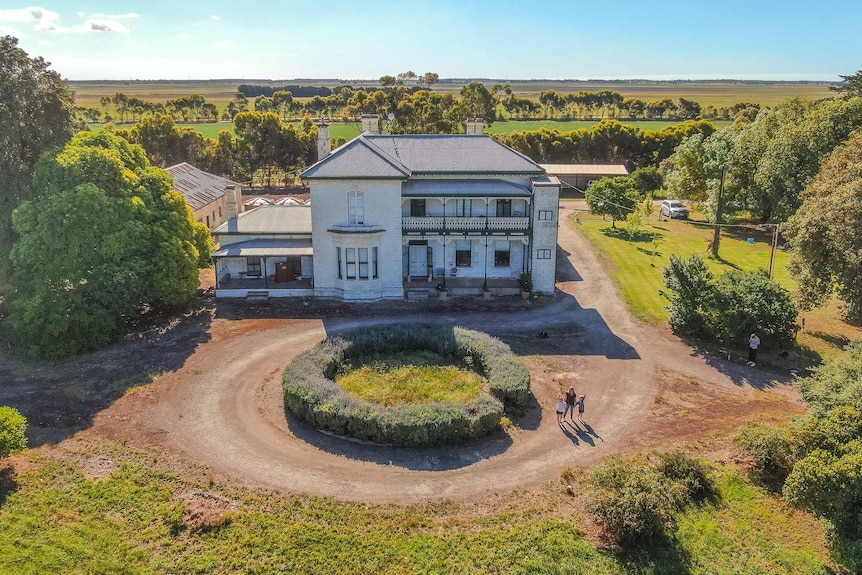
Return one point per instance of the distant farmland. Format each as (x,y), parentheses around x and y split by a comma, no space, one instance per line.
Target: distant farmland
(718,94)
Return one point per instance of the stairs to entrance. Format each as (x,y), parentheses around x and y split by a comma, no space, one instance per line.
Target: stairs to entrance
(257,295)
(417,294)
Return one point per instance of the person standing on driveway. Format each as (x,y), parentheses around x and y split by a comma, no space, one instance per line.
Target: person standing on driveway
(753,344)
(580,404)
(571,398)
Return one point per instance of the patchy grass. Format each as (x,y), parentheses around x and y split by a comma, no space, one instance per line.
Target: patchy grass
(417,377)
(142,520)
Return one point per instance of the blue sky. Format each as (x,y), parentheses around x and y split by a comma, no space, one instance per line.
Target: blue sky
(669,39)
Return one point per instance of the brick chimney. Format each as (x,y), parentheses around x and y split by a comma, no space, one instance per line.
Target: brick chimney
(370,123)
(324,145)
(475,126)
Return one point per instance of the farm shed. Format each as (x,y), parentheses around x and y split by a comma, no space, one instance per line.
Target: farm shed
(576,178)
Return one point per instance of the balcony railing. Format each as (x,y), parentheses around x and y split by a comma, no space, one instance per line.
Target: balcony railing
(463,224)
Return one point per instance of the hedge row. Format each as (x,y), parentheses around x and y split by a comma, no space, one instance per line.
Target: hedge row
(311,394)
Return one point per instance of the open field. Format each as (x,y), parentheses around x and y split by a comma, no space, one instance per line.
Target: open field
(349,130)
(637,265)
(718,94)
(106,509)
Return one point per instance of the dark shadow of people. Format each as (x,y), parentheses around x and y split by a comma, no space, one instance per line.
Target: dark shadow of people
(590,431)
(444,458)
(573,436)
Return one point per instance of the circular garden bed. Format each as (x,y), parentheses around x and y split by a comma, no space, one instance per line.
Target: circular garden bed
(312,394)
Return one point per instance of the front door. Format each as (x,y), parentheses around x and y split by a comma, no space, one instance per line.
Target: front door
(418,258)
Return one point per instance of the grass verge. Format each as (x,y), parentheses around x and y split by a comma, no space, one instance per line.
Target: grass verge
(636,263)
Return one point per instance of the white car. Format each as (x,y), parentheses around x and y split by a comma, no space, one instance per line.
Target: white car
(674,209)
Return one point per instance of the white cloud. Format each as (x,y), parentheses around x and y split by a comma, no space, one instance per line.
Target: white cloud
(48,21)
(223,45)
(35,14)
(214,17)
(183,36)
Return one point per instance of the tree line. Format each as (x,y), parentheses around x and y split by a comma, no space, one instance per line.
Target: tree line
(796,166)
(346,103)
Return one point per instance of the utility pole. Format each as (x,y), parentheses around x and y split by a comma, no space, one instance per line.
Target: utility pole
(716,238)
(774,246)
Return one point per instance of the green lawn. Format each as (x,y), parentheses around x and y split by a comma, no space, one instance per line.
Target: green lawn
(348,130)
(55,519)
(637,266)
(418,377)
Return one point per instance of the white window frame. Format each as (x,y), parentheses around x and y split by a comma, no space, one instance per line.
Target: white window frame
(356,208)
(543,254)
(463,208)
(546,214)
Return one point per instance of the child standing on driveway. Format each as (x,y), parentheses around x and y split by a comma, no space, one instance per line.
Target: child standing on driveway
(561,409)
(580,404)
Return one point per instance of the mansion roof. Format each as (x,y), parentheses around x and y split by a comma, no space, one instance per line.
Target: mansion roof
(400,156)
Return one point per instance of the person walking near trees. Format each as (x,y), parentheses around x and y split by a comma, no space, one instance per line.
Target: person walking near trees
(753,344)
(571,398)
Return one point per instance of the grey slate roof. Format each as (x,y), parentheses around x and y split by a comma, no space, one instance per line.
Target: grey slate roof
(464,188)
(399,156)
(270,219)
(199,187)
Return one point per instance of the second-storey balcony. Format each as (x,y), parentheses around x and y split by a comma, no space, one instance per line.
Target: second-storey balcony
(457,224)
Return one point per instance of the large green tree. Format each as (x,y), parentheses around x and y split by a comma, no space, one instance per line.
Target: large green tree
(104,238)
(36,114)
(852,85)
(476,102)
(775,157)
(614,197)
(825,233)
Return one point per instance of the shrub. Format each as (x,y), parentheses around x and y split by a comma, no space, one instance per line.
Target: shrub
(311,394)
(770,448)
(730,308)
(633,502)
(688,472)
(12,428)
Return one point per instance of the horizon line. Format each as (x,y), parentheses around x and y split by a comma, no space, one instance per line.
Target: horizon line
(477,79)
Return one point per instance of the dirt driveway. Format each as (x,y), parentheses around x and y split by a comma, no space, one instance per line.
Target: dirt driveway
(219,404)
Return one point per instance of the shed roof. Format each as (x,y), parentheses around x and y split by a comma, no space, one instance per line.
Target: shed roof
(586,169)
(269,219)
(199,187)
(399,156)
